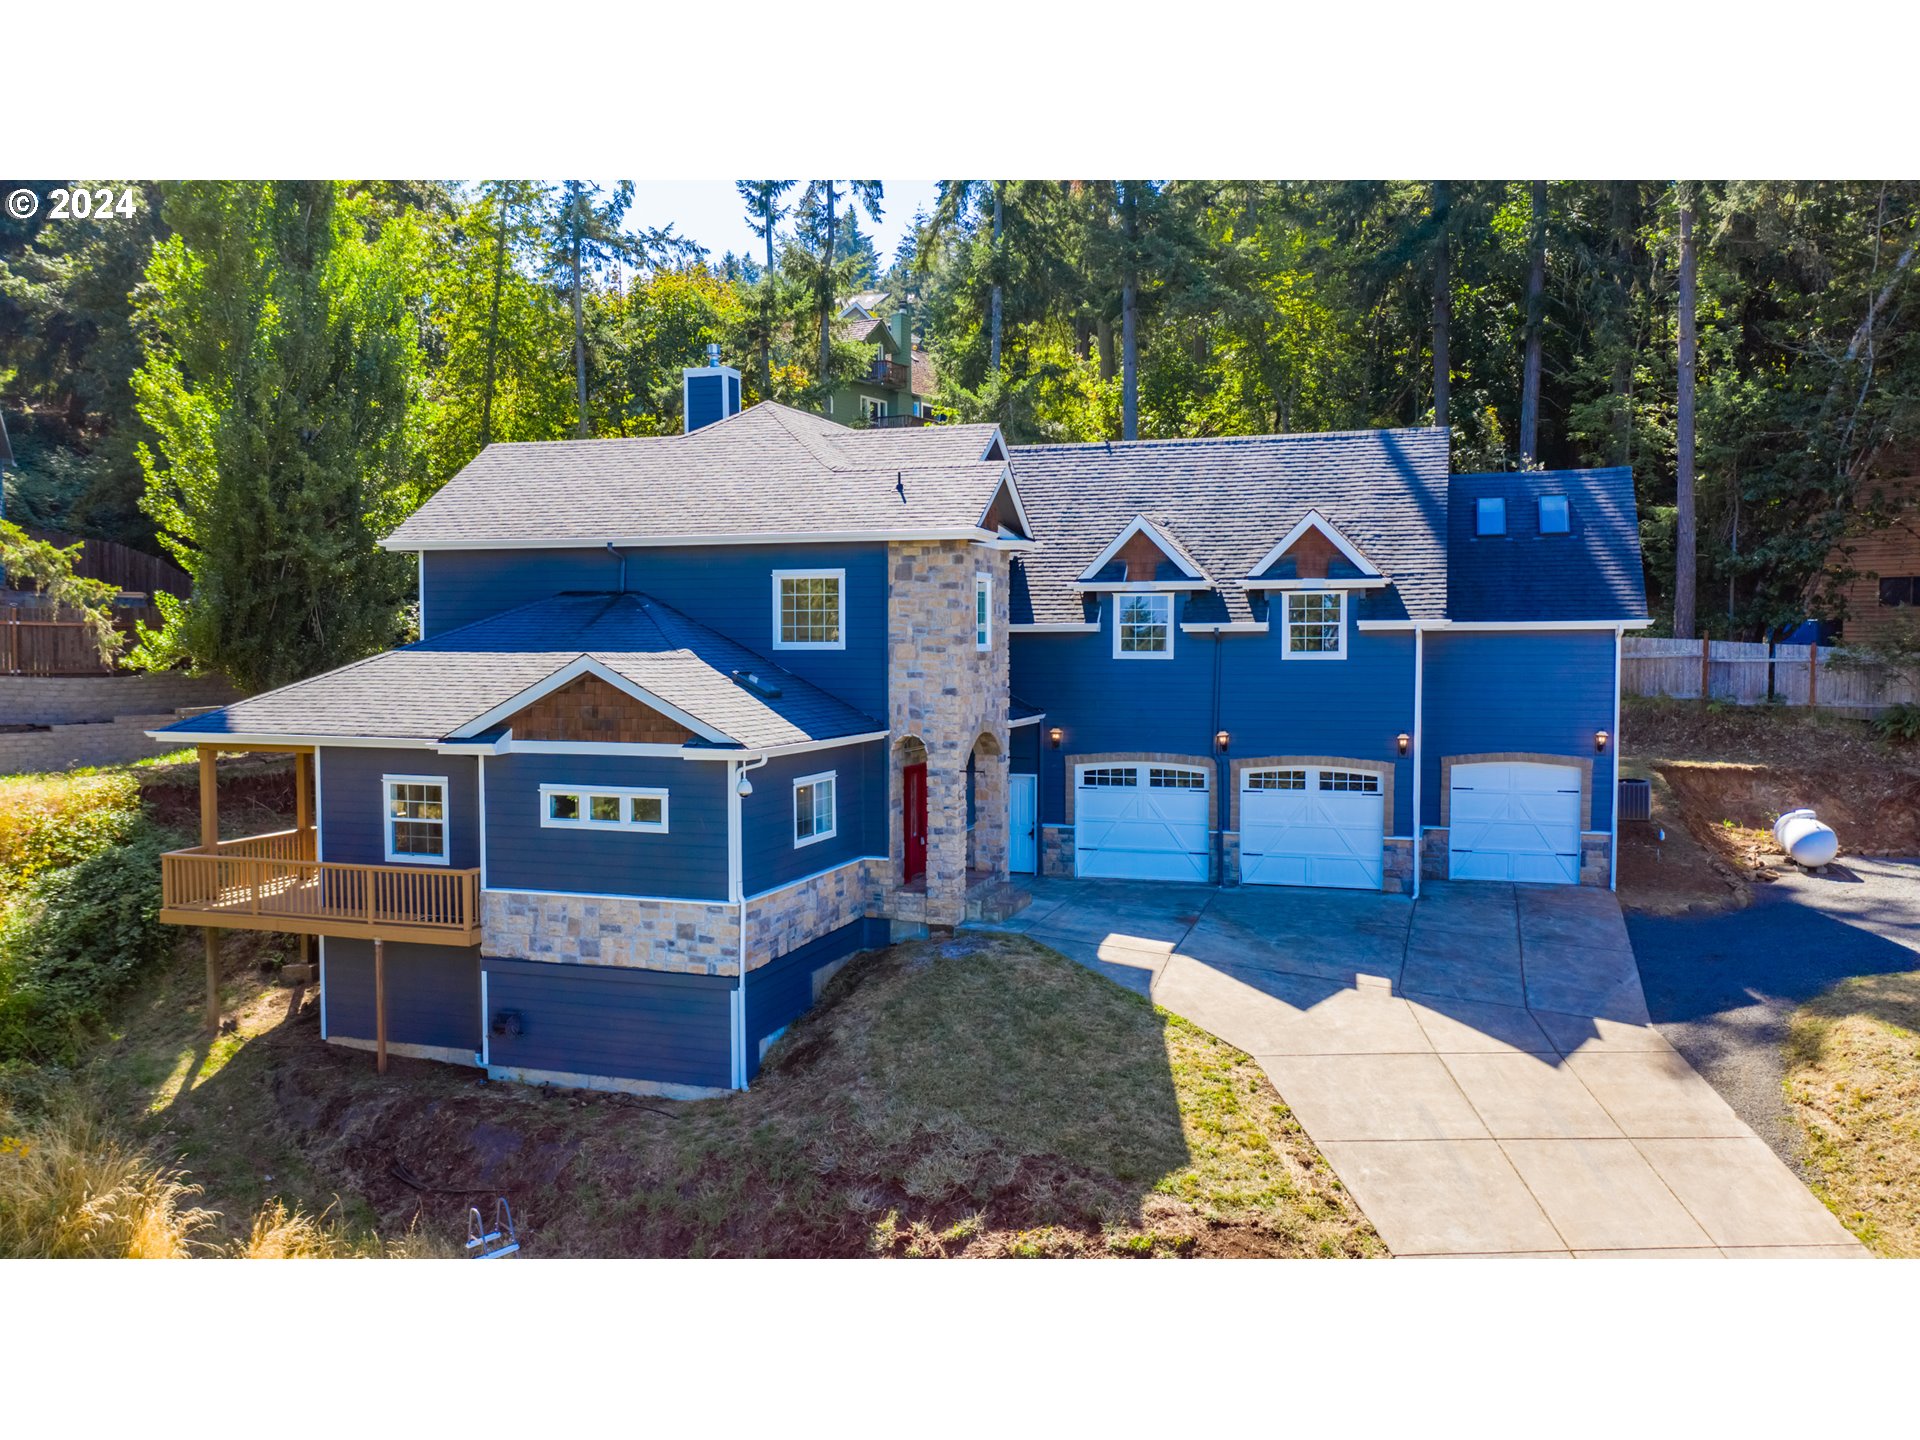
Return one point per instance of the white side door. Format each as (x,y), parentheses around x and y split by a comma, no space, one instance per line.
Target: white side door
(1312,826)
(1514,820)
(1023,823)
(1141,822)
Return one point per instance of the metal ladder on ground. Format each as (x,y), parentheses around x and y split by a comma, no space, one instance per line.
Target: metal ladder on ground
(499,1242)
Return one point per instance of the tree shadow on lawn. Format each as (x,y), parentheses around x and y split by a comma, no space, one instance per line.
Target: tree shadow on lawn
(978,1096)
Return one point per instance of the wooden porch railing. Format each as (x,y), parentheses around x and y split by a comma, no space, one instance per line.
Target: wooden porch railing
(265,883)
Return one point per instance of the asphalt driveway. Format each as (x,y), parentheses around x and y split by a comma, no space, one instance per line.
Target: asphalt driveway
(1721,988)
(1478,1068)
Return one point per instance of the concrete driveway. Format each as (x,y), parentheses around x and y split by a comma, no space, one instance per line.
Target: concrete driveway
(1477,1067)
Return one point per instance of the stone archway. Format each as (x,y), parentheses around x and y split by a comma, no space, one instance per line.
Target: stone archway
(987,837)
(908,751)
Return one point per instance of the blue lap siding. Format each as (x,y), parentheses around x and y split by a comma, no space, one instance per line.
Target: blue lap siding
(688,862)
(433,993)
(1023,748)
(782,990)
(1542,692)
(353,803)
(606,1021)
(1353,707)
(729,588)
(769,856)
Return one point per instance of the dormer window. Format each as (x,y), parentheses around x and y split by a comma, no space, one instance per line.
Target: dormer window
(1143,626)
(1554,518)
(1490,516)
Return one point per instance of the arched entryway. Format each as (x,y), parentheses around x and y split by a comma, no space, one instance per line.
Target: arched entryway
(909,795)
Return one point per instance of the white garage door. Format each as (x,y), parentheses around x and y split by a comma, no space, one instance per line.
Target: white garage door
(1312,827)
(1515,820)
(1141,822)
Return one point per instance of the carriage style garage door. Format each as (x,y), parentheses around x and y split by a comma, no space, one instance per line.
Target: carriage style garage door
(1311,827)
(1141,822)
(1515,820)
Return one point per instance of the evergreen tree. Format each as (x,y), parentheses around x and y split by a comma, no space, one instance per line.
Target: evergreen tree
(279,364)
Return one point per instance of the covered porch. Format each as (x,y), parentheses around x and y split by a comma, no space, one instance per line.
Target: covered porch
(276,882)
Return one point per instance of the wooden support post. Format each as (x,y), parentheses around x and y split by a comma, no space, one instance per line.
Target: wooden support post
(213,977)
(1706,672)
(303,792)
(380,1006)
(1813,676)
(209,800)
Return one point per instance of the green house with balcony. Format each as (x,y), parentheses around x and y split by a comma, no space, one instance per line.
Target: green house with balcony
(896,387)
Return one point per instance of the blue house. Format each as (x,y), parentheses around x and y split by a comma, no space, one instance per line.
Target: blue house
(692,720)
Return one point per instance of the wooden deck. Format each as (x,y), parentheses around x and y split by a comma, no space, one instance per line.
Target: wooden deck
(272,882)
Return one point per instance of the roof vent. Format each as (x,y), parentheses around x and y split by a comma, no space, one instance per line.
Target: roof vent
(760,686)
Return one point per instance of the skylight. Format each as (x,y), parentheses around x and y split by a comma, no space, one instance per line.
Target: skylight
(1491,516)
(1554,519)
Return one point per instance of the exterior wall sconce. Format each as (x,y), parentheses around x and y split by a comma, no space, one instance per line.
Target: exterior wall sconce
(1404,741)
(1599,742)
(1053,736)
(1221,741)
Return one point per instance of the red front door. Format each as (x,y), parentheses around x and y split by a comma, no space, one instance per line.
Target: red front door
(913,791)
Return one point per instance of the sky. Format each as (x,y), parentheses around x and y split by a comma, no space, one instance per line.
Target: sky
(710,212)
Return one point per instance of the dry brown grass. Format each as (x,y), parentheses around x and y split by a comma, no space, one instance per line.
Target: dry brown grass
(280,1233)
(1853,1082)
(71,1190)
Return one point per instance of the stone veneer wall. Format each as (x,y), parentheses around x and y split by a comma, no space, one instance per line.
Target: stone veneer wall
(1057,854)
(687,937)
(947,694)
(1596,850)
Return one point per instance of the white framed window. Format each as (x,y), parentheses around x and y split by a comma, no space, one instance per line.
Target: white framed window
(815,814)
(1357,782)
(1490,516)
(1554,518)
(603,807)
(983,612)
(1110,778)
(876,409)
(1143,626)
(1274,780)
(415,827)
(809,609)
(1162,778)
(1316,625)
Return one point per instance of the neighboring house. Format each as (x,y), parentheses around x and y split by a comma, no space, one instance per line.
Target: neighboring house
(696,718)
(1887,558)
(896,389)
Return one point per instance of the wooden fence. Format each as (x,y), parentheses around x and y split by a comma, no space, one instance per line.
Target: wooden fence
(119,565)
(36,640)
(1747,672)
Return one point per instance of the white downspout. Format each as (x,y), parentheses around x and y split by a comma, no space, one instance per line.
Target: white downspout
(1613,843)
(1419,678)
(737,782)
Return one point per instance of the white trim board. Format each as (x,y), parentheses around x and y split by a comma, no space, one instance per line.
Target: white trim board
(1497,625)
(1314,520)
(1058,627)
(662,542)
(573,670)
(1368,583)
(1167,545)
(1006,483)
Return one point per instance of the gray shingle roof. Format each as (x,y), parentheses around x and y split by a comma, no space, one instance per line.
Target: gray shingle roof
(767,471)
(1590,573)
(428,690)
(1228,501)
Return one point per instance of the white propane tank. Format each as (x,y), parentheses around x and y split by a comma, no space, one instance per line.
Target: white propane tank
(1806,840)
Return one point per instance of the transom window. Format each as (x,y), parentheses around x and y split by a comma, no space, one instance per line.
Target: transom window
(1356,781)
(1314,625)
(1490,515)
(1275,780)
(813,808)
(809,609)
(1143,626)
(983,612)
(1108,777)
(603,807)
(1158,779)
(416,819)
(1554,518)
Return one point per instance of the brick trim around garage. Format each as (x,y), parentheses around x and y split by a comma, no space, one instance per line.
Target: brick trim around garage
(1583,763)
(1382,768)
(1148,757)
